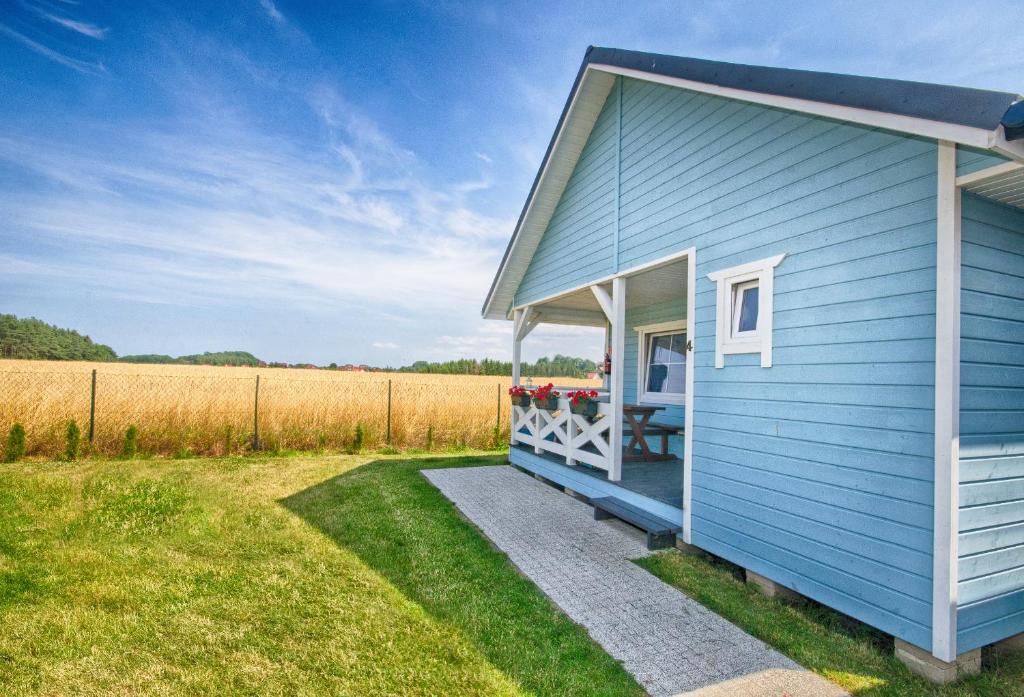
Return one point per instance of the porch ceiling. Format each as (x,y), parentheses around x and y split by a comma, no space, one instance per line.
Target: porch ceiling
(650,287)
(1003,183)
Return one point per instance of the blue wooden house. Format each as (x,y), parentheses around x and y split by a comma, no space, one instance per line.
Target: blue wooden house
(815,283)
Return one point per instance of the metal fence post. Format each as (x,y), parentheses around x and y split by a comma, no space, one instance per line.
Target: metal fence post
(92,407)
(389,413)
(256,417)
(497,421)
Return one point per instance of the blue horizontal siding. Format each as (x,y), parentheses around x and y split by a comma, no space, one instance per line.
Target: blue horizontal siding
(817,472)
(991,544)
(837,435)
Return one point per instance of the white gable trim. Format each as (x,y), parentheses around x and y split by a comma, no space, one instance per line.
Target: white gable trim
(967,135)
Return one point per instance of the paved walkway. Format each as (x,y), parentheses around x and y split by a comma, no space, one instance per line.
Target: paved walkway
(669,642)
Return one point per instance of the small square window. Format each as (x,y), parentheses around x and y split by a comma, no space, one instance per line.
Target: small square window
(744,310)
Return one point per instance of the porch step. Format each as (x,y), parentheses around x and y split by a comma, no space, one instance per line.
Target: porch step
(661,533)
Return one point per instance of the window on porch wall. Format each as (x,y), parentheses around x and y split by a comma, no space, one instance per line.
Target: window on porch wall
(662,378)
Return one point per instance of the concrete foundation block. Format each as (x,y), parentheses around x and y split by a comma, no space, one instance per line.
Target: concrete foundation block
(930,668)
(1008,645)
(772,589)
(687,548)
(576,495)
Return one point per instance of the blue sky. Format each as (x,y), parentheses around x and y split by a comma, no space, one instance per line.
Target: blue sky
(337,181)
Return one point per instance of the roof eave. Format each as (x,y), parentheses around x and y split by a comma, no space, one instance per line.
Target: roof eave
(970,135)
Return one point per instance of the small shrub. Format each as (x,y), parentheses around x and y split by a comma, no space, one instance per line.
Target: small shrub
(14,449)
(430,437)
(72,442)
(357,440)
(131,443)
(389,450)
(496,437)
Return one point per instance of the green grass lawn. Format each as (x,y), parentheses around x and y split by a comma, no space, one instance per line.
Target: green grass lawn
(306,575)
(846,652)
(331,574)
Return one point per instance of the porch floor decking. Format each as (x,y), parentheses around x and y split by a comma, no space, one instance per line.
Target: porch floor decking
(658,480)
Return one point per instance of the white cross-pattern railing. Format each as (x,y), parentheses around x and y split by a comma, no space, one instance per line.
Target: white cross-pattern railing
(568,435)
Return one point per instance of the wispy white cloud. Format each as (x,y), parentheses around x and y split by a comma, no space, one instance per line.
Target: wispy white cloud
(247,215)
(85,67)
(384,345)
(271,9)
(90,30)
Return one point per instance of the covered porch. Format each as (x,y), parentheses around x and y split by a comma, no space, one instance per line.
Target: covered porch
(636,448)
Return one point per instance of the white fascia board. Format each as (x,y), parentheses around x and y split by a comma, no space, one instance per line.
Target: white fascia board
(967,135)
(1014,149)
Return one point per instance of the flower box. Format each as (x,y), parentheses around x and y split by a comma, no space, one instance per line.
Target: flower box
(549,403)
(583,403)
(586,408)
(546,397)
(520,397)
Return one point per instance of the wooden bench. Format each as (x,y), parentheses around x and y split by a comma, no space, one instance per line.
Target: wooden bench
(661,533)
(656,429)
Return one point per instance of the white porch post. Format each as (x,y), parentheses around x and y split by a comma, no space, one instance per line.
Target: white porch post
(618,362)
(517,345)
(517,350)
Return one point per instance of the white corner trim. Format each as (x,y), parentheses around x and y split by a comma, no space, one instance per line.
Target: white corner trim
(691,301)
(643,331)
(763,271)
(947,407)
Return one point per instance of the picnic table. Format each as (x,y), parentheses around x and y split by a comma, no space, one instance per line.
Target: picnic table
(638,418)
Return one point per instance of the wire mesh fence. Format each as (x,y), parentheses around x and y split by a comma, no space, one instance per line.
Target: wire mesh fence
(224,411)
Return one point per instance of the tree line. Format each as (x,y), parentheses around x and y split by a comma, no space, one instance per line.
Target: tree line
(33,339)
(555,366)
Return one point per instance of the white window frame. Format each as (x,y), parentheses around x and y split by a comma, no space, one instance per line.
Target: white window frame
(728,340)
(643,333)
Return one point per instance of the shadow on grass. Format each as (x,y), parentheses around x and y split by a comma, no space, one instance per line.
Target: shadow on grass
(398,524)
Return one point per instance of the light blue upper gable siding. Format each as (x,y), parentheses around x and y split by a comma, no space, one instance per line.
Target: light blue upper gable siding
(577,244)
(991,548)
(818,471)
(970,160)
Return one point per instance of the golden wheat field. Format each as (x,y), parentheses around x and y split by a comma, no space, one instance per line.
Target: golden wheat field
(202,410)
